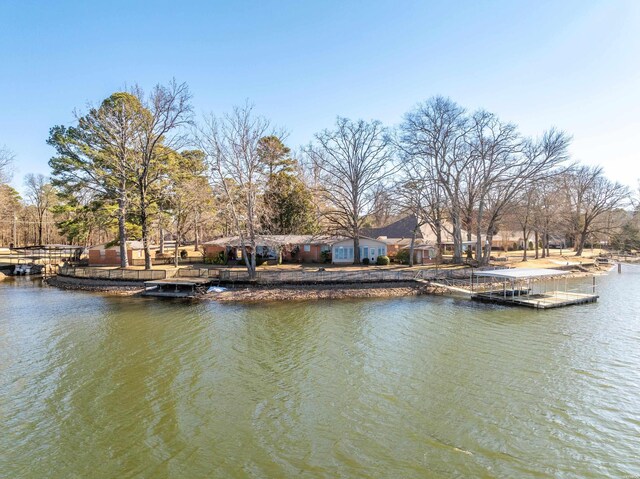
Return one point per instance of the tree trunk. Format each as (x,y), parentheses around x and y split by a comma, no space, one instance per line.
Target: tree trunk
(438,242)
(356,248)
(525,249)
(411,246)
(537,240)
(122,233)
(457,239)
(161,251)
(40,221)
(479,248)
(196,230)
(176,258)
(582,238)
(144,223)
(546,242)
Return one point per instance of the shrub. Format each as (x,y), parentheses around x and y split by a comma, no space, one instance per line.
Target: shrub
(365,261)
(260,260)
(402,256)
(216,258)
(326,256)
(382,260)
(183,254)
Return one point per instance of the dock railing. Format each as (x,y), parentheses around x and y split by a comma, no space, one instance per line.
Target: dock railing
(112,274)
(325,276)
(198,273)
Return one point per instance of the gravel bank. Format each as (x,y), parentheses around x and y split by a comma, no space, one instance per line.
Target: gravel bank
(314,292)
(123,288)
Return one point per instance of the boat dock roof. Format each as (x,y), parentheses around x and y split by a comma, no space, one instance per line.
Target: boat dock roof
(521,273)
(529,287)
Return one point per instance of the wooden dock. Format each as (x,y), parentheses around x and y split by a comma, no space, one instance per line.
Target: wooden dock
(532,288)
(175,288)
(547,300)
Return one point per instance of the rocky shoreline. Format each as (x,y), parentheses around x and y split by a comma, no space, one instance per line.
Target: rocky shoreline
(284,292)
(119,288)
(261,294)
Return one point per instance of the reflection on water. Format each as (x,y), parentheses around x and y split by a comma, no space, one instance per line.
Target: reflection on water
(101,387)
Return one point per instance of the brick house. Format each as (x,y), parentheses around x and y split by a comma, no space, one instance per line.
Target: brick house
(101,255)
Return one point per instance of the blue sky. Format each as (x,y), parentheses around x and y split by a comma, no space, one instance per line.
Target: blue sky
(574,64)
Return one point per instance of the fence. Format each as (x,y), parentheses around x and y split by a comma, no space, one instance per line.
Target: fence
(227,275)
(319,276)
(198,273)
(112,274)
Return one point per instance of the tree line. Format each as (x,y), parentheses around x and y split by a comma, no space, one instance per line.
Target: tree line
(140,166)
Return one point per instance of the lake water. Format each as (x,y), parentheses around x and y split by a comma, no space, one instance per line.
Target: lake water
(106,387)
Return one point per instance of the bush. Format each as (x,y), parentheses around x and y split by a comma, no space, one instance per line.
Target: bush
(402,256)
(260,260)
(365,261)
(326,256)
(183,254)
(216,258)
(382,260)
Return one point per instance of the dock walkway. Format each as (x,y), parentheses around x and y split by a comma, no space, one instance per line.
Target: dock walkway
(548,300)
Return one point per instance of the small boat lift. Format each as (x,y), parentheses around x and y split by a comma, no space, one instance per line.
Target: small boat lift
(533,288)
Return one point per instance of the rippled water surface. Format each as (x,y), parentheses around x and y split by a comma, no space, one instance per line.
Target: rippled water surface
(103,387)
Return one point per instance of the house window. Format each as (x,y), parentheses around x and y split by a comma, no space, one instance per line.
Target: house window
(342,252)
(307,247)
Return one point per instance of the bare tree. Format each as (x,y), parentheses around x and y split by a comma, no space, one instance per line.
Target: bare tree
(167,111)
(434,134)
(493,147)
(591,195)
(418,193)
(231,144)
(353,161)
(6,159)
(41,195)
(539,161)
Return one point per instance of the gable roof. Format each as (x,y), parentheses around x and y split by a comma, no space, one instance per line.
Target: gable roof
(278,240)
(350,240)
(404,227)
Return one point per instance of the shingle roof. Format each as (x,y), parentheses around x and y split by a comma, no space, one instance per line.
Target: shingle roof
(276,240)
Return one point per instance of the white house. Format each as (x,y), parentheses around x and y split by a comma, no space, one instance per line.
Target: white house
(342,251)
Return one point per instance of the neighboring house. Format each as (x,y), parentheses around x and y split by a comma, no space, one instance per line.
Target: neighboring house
(342,250)
(299,248)
(508,240)
(423,253)
(294,248)
(101,255)
(400,232)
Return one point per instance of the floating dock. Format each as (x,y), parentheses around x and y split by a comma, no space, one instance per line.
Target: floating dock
(533,288)
(174,288)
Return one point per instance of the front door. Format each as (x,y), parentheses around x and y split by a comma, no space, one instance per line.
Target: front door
(365,252)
